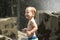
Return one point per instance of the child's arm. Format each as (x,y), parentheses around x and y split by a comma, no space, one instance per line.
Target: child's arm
(24,30)
(34,26)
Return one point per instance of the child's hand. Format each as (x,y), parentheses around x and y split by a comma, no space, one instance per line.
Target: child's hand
(24,30)
(28,33)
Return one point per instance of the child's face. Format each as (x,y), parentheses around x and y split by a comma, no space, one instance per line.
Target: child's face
(28,13)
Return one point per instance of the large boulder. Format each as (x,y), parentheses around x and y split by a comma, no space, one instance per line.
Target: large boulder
(8,27)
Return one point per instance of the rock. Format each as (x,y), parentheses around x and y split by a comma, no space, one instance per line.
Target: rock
(4,38)
(8,27)
(22,36)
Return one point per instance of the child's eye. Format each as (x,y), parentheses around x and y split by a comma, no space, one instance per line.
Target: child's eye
(27,12)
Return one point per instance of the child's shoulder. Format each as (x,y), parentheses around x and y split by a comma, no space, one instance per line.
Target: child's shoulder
(33,22)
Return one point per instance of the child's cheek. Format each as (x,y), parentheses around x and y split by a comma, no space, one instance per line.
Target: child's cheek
(30,14)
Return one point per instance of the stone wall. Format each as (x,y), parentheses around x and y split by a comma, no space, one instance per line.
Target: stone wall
(49,25)
(8,27)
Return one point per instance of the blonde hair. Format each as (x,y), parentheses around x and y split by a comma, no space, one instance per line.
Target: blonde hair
(33,9)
